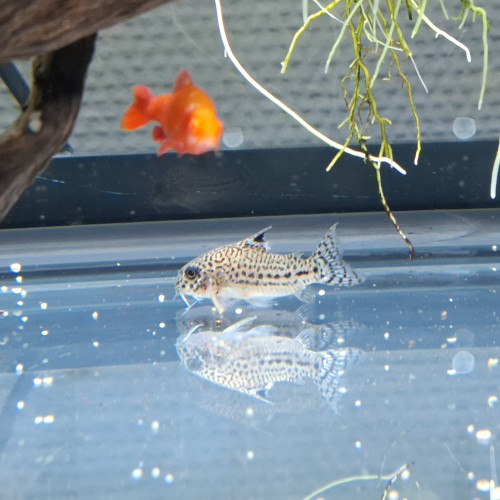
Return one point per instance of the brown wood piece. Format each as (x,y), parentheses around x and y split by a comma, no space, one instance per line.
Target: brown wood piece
(34,27)
(45,125)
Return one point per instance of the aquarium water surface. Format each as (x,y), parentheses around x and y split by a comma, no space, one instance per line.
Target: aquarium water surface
(96,403)
(111,388)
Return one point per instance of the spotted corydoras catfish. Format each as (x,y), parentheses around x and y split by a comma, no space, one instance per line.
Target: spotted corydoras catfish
(251,359)
(248,270)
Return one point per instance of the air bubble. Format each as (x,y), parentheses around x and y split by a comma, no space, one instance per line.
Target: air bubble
(463,362)
(492,401)
(483,436)
(16,267)
(492,364)
(232,137)
(48,381)
(136,473)
(483,485)
(464,127)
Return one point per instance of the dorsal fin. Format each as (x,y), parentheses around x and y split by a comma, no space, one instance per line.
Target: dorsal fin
(256,240)
(182,80)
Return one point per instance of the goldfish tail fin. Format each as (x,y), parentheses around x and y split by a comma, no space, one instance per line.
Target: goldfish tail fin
(136,116)
(332,269)
(333,366)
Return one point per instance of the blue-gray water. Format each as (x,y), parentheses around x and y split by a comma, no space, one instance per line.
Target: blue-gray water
(95,404)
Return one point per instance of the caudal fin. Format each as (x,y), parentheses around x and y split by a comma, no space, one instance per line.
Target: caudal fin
(331,267)
(333,366)
(135,116)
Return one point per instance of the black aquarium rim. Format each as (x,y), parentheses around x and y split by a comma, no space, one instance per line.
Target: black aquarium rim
(249,183)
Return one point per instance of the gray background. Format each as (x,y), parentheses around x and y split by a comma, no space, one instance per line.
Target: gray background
(152,48)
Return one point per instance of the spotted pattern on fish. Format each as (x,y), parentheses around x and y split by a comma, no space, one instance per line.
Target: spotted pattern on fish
(248,269)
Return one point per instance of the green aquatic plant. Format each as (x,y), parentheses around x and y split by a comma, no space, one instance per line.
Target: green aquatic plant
(375,30)
(334,144)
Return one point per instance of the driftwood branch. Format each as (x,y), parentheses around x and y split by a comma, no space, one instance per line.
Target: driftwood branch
(67,29)
(45,124)
(34,27)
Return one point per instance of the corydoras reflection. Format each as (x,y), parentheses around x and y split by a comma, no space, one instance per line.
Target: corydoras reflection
(250,357)
(316,334)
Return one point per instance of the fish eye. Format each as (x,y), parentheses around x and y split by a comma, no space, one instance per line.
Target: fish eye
(191,273)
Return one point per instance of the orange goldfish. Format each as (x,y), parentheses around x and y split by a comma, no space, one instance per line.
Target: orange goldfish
(187,117)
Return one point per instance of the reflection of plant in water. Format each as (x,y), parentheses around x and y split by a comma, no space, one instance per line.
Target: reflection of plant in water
(375,30)
(402,471)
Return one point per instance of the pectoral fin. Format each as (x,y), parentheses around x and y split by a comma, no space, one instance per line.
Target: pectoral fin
(221,299)
(260,302)
(307,295)
(164,147)
(158,134)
